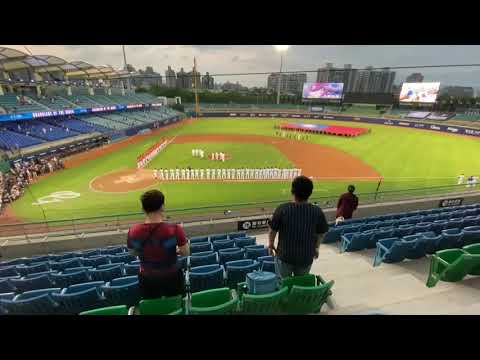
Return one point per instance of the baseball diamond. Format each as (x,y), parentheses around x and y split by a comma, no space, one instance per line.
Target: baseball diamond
(108,179)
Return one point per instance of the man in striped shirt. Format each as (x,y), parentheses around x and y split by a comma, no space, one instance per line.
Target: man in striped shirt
(301,227)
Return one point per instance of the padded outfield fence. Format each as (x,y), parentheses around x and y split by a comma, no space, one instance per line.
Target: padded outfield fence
(80,225)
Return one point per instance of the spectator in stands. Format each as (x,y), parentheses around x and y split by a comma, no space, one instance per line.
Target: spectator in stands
(347,204)
(156,242)
(301,227)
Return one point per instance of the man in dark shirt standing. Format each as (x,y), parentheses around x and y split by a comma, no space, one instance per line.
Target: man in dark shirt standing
(301,227)
(347,204)
(157,243)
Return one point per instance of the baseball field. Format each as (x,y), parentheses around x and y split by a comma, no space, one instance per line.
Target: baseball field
(105,181)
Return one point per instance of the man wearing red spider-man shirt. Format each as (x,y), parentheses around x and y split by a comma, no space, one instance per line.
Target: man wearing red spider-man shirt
(157,244)
(347,204)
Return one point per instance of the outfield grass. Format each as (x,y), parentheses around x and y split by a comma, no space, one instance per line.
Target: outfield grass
(249,156)
(407,158)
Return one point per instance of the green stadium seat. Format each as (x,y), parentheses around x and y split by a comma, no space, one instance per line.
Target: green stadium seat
(266,304)
(306,295)
(111,310)
(213,302)
(162,306)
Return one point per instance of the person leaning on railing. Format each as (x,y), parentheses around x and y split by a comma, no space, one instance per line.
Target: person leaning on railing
(157,244)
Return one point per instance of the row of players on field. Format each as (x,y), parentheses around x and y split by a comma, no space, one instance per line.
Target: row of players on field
(227,174)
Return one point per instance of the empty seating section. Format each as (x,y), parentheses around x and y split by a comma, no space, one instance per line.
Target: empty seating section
(58,103)
(10,103)
(80,126)
(105,123)
(123,118)
(105,282)
(409,235)
(13,140)
(41,130)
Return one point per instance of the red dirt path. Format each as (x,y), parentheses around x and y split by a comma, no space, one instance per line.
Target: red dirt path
(316,161)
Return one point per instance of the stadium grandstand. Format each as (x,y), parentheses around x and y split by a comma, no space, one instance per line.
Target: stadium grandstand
(95,145)
(68,99)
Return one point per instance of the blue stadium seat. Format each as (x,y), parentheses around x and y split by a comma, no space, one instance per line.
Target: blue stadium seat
(236,235)
(199,239)
(202,258)
(70,277)
(95,260)
(356,241)
(438,226)
(469,221)
(255,251)
(431,218)
(404,230)
(431,241)
(113,250)
(223,244)
(6,286)
(231,254)
(36,302)
(454,223)
(415,246)
(379,234)
(90,253)
(65,264)
(205,277)
(8,271)
(246,241)
(65,256)
(40,267)
(39,259)
(237,271)
(34,283)
(471,235)
(422,227)
(107,272)
(333,235)
(131,269)
(371,225)
(20,261)
(267,263)
(122,258)
(80,297)
(451,238)
(390,251)
(122,291)
(200,247)
(218,237)
(7,296)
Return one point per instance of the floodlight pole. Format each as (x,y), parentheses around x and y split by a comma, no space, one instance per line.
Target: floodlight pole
(125,67)
(279,78)
(195,86)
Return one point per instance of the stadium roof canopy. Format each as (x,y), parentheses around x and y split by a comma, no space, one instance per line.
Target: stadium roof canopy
(14,60)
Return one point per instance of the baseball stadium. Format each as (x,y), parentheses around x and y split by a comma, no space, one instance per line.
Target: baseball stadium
(224,169)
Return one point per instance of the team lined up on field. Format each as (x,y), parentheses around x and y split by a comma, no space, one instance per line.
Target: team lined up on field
(227,174)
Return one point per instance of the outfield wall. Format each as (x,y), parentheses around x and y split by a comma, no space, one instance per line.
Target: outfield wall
(457,130)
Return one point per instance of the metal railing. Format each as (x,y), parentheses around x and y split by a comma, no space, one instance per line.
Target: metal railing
(83,225)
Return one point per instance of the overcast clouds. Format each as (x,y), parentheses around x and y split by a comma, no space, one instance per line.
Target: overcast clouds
(263,58)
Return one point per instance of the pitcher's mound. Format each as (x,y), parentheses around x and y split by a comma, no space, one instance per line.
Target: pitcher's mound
(124,181)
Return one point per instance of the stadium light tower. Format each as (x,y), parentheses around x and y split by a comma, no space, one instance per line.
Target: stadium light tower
(281,49)
(125,67)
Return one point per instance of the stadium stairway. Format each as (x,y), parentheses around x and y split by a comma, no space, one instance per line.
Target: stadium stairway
(392,289)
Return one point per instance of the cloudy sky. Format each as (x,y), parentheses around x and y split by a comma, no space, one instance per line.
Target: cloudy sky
(228,59)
